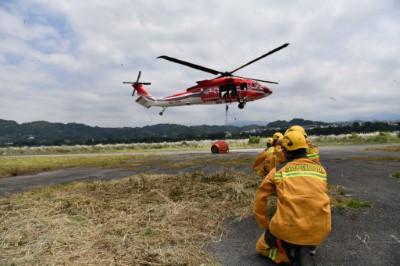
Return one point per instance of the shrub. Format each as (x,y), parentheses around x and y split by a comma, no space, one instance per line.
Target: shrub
(254,140)
(354,135)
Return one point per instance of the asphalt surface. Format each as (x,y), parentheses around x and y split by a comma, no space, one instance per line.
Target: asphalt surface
(368,236)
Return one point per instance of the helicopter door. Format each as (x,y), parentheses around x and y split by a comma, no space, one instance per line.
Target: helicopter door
(209,94)
(227,90)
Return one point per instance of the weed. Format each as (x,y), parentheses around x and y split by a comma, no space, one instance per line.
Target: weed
(342,203)
(337,190)
(357,203)
(396,174)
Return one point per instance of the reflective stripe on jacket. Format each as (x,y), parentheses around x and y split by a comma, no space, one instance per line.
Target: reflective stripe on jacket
(303,214)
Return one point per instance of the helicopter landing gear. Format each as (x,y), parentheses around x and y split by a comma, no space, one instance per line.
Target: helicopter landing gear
(242,102)
(162,112)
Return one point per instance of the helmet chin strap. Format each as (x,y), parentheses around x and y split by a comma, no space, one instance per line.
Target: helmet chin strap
(286,153)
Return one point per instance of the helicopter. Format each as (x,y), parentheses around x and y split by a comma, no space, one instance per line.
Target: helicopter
(226,88)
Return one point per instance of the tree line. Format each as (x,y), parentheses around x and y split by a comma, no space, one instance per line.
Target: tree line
(45,133)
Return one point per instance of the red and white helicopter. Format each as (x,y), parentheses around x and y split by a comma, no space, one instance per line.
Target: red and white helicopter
(226,88)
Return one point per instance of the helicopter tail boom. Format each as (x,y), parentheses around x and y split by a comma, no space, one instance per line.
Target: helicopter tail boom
(144,97)
(145,102)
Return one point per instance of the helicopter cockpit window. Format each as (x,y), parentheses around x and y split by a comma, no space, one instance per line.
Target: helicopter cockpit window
(255,84)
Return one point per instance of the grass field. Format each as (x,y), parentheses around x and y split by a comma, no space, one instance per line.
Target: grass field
(350,139)
(13,166)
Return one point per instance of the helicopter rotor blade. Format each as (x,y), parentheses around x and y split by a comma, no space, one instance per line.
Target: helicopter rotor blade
(258,58)
(130,82)
(266,81)
(198,67)
(137,81)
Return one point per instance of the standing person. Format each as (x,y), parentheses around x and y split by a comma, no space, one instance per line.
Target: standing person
(303,214)
(312,151)
(258,164)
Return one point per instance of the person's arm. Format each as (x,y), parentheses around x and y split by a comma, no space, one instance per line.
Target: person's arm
(260,159)
(265,190)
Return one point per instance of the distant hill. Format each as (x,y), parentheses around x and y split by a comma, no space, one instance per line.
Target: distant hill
(296,121)
(242,123)
(46,133)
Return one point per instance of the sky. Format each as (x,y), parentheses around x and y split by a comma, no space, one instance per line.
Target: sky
(65,61)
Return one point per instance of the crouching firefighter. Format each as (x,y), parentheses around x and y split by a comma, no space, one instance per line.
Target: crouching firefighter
(303,214)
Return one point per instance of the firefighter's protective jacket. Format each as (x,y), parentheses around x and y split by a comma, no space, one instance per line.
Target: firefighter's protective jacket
(312,152)
(269,159)
(259,164)
(303,214)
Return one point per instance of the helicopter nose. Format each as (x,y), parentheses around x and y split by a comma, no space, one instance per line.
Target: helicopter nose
(267,90)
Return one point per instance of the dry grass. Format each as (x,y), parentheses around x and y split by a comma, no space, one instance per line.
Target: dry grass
(140,220)
(385,148)
(377,158)
(14,166)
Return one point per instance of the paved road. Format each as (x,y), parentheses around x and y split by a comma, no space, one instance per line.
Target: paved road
(359,237)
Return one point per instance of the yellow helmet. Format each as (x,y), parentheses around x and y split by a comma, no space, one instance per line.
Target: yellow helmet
(294,140)
(277,136)
(269,140)
(297,128)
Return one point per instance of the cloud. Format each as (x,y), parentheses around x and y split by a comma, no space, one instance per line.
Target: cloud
(65,61)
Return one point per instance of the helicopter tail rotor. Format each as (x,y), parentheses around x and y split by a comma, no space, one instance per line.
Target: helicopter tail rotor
(136,83)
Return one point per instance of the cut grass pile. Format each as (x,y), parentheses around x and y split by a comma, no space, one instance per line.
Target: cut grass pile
(140,220)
